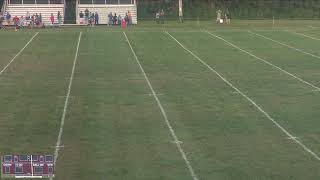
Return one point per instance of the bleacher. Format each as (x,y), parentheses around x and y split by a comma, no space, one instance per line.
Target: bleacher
(104,9)
(45,10)
(46,7)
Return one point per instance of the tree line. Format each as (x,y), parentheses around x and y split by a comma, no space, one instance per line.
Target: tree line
(240,9)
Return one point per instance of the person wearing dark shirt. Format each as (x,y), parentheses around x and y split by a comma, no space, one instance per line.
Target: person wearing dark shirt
(86,15)
(126,18)
(8,17)
(115,18)
(96,18)
(81,14)
(228,18)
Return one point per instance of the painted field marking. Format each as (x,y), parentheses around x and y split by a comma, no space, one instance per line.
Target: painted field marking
(58,144)
(157,94)
(177,142)
(304,35)
(164,114)
(292,138)
(65,96)
(61,146)
(283,44)
(265,61)
(18,54)
(258,107)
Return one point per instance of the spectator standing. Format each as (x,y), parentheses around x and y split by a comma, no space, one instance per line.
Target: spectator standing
(59,17)
(96,18)
(157,17)
(52,19)
(28,16)
(228,18)
(22,22)
(37,20)
(92,20)
(40,18)
(119,20)
(115,19)
(86,16)
(162,16)
(126,19)
(110,19)
(130,18)
(32,21)
(8,18)
(219,12)
(124,23)
(89,19)
(16,23)
(81,15)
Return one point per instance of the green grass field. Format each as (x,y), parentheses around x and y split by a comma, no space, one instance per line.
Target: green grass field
(242,100)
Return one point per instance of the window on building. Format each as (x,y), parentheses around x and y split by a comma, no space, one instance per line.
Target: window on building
(99,1)
(7,170)
(125,1)
(34,158)
(23,158)
(7,158)
(49,158)
(15,1)
(29,2)
(55,1)
(50,170)
(42,1)
(112,1)
(38,170)
(85,1)
(18,170)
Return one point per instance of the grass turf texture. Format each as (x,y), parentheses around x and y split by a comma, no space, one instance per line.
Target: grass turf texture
(114,129)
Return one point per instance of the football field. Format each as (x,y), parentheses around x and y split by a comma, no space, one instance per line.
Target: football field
(157,102)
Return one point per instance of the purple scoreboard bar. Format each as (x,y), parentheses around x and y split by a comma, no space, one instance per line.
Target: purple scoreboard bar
(27,166)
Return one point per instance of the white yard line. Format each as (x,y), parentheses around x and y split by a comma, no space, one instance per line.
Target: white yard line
(164,114)
(265,61)
(283,44)
(58,144)
(304,35)
(18,54)
(250,100)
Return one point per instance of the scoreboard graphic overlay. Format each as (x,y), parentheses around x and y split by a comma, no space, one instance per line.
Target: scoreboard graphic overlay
(27,166)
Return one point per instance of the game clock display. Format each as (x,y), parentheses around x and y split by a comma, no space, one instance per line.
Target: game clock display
(27,166)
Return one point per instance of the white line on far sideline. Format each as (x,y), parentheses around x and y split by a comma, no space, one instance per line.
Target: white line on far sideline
(164,114)
(18,54)
(249,100)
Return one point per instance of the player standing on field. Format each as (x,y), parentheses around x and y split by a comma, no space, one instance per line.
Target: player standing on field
(219,12)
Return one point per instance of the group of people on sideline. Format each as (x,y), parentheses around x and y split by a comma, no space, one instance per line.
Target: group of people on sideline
(160,17)
(90,18)
(223,17)
(31,21)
